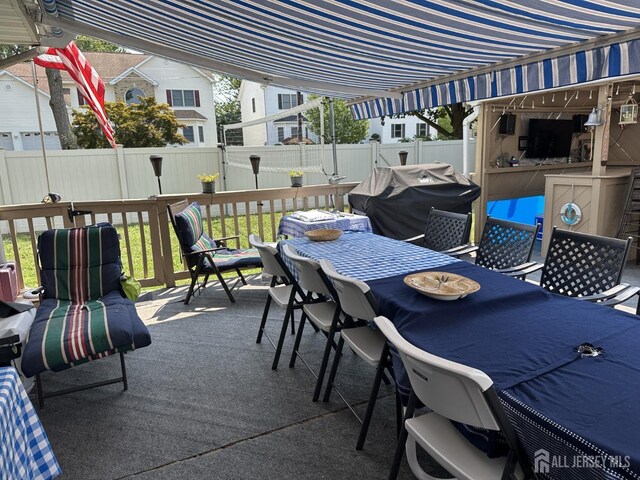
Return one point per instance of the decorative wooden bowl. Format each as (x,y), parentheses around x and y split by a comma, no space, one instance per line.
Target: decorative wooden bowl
(442,285)
(323,234)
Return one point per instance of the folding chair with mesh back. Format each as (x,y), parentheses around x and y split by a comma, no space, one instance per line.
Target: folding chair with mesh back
(83,313)
(204,255)
(452,391)
(588,267)
(444,231)
(504,246)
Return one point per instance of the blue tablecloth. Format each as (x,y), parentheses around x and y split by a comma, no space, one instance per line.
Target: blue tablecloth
(294,228)
(573,410)
(25,452)
(367,256)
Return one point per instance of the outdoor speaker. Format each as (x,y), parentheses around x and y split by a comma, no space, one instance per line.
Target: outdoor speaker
(507,124)
(578,123)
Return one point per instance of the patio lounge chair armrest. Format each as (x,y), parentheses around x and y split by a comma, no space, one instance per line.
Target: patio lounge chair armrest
(526,269)
(623,297)
(205,251)
(461,250)
(413,239)
(224,239)
(522,270)
(614,295)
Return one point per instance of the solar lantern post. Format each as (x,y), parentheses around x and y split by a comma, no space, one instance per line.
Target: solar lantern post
(255,166)
(156,163)
(403,157)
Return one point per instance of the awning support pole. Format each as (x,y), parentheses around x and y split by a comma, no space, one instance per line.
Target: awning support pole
(332,119)
(44,150)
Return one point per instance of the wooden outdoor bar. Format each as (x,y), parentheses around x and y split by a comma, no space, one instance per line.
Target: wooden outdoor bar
(148,220)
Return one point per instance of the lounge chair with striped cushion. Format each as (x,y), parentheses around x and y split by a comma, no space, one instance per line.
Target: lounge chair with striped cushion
(204,255)
(83,314)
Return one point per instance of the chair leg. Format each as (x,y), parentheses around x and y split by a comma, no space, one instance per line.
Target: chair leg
(283,330)
(296,344)
(194,280)
(39,391)
(402,437)
(334,369)
(265,313)
(125,383)
(244,281)
(373,396)
(325,356)
(225,286)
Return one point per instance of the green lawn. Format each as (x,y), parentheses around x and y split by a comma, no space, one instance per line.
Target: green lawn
(135,240)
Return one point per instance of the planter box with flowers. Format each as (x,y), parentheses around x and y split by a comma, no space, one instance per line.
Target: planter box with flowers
(296,178)
(208,182)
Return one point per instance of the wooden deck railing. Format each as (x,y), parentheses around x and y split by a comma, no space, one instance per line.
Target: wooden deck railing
(149,247)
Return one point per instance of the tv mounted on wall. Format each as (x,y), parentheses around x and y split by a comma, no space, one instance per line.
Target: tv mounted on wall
(549,138)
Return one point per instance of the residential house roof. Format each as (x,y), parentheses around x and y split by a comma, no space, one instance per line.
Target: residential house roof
(189,115)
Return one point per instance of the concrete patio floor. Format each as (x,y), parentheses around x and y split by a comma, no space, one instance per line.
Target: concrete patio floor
(203,402)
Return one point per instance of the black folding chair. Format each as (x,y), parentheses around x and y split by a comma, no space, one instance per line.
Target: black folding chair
(444,231)
(588,267)
(504,246)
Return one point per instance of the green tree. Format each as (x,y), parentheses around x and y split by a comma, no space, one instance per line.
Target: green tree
(228,107)
(446,120)
(54,79)
(348,130)
(89,44)
(147,124)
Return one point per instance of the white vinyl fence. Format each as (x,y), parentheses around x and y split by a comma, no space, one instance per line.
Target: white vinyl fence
(86,175)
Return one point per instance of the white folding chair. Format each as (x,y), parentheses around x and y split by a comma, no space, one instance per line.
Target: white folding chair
(453,392)
(322,311)
(284,290)
(357,302)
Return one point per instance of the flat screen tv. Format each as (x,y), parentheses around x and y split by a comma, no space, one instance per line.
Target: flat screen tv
(549,138)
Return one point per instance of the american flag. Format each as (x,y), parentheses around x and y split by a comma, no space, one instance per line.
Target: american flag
(89,83)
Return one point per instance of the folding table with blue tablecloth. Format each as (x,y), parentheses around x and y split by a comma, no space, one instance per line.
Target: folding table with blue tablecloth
(563,406)
(296,224)
(25,452)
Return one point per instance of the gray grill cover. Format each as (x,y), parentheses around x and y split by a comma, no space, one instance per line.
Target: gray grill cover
(398,199)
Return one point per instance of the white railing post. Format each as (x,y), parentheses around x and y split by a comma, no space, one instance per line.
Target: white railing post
(417,151)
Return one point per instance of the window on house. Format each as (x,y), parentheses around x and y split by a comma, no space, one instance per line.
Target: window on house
(201,133)
(6,141)
(294,132)
(81,100)
(286,101)
(253,105)
(280,134)
(188,133)
(421,130)
(397,130)
(183,98)
(132,96)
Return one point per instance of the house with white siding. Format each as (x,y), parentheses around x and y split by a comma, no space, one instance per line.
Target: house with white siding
(188,90)
(257,101)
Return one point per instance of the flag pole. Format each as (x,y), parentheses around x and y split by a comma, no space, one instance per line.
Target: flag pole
(44,150)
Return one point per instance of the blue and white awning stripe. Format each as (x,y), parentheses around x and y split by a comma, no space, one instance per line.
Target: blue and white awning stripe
(610,61)
(351,48)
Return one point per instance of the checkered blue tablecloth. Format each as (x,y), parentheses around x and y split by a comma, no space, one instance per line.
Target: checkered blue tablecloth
(367,256)
(25,452)
(295,228)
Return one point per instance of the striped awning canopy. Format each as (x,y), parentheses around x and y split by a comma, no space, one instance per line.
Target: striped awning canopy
(391,56)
